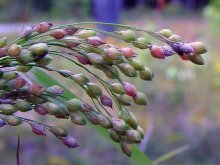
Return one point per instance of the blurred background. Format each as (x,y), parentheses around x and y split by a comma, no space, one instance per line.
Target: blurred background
(184,99)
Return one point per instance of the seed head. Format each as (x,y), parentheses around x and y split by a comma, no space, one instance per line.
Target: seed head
(52,108)
(41,109)
(26,31)
(130,89)
(137,65)
(127,52)
(140,131)
(3,42)
(58,131)
(118,88)
(74,105)
(70,30)
(94,90)
(22,105)
(58,33)
(7,109)
(44,61)
(95,41)
(128,70)
(197,59)
(175,38)
(198,47)
(36,89)
(127,35)
(13,120)
(165,33)
(119,124)
(70,142)
(55,90)
(83,59)
(113,53)
(80,79)
(2,122)
(14,50)
(25,56)
(77,118)
(157,52)
(106,101)
(43,27)
(133,136)
(126,148)
(146,74)
(38,129)
(114,135)
(140,99)
(86,34)
(40,49)
(141,43)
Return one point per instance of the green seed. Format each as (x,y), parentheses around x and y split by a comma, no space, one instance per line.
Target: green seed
(52,108)
(128,70)
(140,131)
(118,88)
(125,100)
(114,135)
(22,105)
(137,65)
(132,121)
(128,35)
(80,79)
(94,90)
(58,131)
(25,56)
(140,99)
(9,75)
(14,50)
(7,109)
(86,34)
(24,69)
(78,118)
(146,74)
(39,49)
(74,105)
(44,61)
(3,42)
(165,33)
(141,43)
(13,120)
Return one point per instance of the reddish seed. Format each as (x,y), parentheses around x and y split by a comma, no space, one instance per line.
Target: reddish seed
(43,27)
(83,60)
(58,33)
(128,52)
(70,30)
(130,89)
(185,57)
(157,52)
(36,89)
(95,41)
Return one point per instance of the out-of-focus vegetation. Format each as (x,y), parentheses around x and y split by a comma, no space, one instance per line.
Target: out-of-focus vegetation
(183,99)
